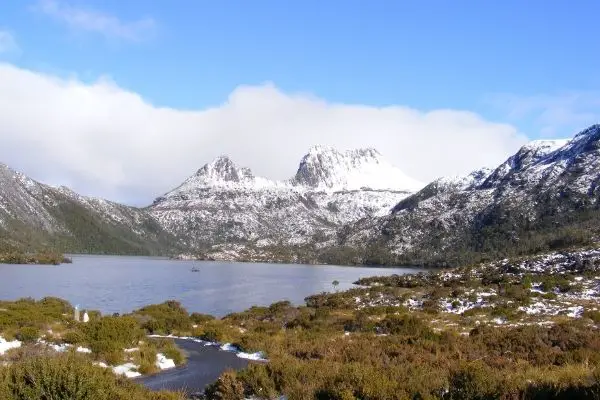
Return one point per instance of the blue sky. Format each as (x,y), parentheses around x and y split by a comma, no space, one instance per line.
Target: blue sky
(533,65)
(426,54)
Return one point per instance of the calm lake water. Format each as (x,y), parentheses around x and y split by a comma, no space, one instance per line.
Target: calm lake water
(122,284)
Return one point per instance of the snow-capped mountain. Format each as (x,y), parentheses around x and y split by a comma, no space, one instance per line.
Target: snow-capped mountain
(543,196)
(226,203)
(325,168)
(340,207)
(34,215)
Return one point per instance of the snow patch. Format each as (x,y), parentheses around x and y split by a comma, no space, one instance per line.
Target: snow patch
(162,362)
(6,345)
(128,370)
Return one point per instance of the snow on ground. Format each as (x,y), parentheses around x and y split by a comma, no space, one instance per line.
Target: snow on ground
(162,362)
(61,348)
(132,350)
(561,284)
(128,369)
(83,350)
(6,345)
(258,356)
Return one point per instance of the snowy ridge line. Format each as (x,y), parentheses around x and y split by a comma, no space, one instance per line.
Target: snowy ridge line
(322,169)
(258,356)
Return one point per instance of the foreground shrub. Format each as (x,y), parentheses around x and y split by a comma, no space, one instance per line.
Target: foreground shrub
(165,318)
(217,331)
(198,318)
(108,336)
(473,381)
(405,324)
(72,377)
(227,387)
(28,312)
(121,332)
(147,361)
(173,352)
(73,337)
(28,334)
(168,347)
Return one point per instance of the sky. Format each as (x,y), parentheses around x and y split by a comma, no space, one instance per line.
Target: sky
(124,100)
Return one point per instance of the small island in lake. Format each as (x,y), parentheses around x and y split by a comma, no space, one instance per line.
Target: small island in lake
(44,258)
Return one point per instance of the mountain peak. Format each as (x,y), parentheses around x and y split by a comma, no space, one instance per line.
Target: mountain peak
(528,155)
(544,147)
(592,131)
(224,169)
(319,149)
(585,141)
(325,168)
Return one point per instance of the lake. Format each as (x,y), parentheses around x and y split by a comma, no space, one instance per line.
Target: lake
(122,283)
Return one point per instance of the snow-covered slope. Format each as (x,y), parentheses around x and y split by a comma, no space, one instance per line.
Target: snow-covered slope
(34,215)
(325,168)
(527,201)
(341,207)
(225,203)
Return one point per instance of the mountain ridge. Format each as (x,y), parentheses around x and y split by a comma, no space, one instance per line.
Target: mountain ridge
(35,216)
(240,208)
(541,197)
(545,196)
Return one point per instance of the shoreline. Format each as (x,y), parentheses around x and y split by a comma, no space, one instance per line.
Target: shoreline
(204,364)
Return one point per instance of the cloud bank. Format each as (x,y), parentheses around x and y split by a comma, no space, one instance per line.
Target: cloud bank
(103,140)
(553,114)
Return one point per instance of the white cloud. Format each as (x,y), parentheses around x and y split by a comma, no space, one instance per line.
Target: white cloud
(103,140)
(561,114)
(8,42)
(95,21)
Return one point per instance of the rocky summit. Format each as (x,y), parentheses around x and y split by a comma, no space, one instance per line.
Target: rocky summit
(226,206)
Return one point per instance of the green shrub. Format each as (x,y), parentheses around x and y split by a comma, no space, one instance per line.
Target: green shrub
(227,387)
(473,381)
(549,296)
(69,377)
(406,324)
(593,315)
(257,379)
(28,334)
(147,362)
(165,318)
(107,351)
(74,337)
(174,353)
(217,331)
(198,318)
(28,312)
(111,333)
